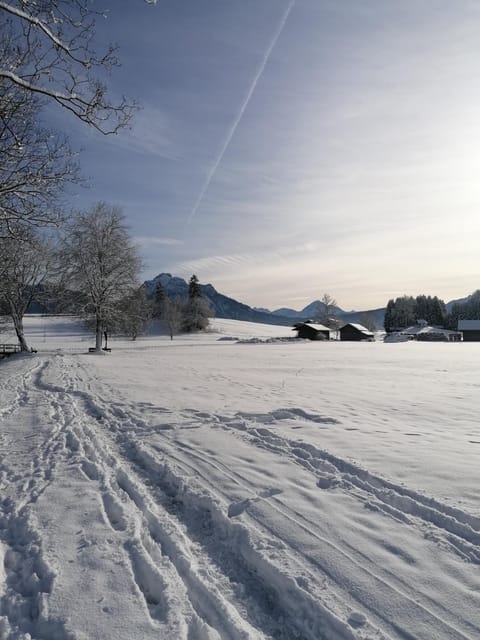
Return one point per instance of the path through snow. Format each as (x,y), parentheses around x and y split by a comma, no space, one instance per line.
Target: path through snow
(123,517)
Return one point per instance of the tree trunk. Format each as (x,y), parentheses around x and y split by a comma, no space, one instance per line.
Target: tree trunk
(98,335)
(18,324)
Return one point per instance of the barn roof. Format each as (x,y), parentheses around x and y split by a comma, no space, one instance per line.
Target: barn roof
(359,327)
(430,329)
(311,325)
(465,325)
(317,327)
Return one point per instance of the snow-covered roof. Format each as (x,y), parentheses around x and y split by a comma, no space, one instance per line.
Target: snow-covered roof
(312,325)
(473,325)
(317,327)
(360,327)
(413,330)
(430,329)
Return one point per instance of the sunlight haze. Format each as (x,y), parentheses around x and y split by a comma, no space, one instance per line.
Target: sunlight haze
(285,149)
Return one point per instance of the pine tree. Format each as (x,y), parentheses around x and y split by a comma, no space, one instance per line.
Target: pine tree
(160,297)
(194,289)
(196,311)
(389,319)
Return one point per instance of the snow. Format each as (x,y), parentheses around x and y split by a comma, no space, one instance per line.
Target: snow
(238,485)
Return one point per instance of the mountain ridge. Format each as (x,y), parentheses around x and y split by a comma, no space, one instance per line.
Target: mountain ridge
(226,307)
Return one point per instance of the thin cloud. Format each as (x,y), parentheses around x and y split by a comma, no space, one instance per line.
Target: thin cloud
(159,241)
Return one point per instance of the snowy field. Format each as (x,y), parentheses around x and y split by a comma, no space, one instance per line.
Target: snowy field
(208,487)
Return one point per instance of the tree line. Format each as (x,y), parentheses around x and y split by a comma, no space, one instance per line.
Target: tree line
(406,311)
(469,309)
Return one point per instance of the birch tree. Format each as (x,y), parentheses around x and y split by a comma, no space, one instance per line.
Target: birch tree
(101,263)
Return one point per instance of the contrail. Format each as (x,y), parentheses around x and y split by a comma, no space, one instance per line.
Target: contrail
(236,122)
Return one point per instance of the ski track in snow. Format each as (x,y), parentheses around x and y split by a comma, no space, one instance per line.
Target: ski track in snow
(206,567)
(458,529)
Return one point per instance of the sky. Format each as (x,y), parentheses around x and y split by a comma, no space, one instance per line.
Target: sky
(288,148)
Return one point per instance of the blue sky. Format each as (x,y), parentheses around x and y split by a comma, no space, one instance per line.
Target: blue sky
(342,156)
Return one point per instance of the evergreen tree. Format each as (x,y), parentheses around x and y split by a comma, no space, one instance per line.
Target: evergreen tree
(196,311)
(421,308)
(159,300)
(389,319)
(468,310)
(194,290)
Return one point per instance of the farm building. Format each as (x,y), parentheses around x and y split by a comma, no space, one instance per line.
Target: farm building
(311,331)
(436,334)
(353,331)
(470,330)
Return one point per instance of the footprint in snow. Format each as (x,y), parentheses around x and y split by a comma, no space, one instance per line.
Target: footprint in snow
(357,620)
(327,482)
(236,508)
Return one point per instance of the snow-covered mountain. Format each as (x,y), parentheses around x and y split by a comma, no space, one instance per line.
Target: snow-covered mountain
(226,307)
(222,306)
(315,309)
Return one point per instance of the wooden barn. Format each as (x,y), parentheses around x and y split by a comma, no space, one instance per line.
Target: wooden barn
(357,332)
(311,331)
(470,330)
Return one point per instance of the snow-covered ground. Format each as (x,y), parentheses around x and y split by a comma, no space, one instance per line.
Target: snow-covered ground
(207,488)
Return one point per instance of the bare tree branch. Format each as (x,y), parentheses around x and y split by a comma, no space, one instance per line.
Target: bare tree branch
(35,164)
(52,53)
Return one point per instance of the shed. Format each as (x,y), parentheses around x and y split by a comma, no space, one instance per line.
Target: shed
(311,331)
(437,334)
(470,330)
(357,332)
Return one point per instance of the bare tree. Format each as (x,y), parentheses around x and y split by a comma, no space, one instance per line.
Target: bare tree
(328,310)
(172,315)
(100,262)
(133,315)
(50,50)
(367,319)
(25,260)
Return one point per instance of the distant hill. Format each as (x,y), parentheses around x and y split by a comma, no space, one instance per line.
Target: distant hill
(315,309)
(222,306)
(226,307)
(461,301)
